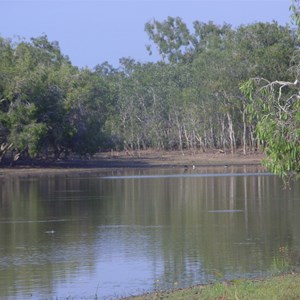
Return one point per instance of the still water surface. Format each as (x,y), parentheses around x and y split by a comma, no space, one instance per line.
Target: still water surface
(128,232)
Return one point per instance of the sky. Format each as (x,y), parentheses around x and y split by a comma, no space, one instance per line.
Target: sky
(91,32)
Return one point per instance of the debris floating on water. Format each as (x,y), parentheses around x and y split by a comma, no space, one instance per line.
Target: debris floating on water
(225,211)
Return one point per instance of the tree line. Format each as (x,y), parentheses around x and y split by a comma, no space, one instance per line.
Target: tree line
(197,96)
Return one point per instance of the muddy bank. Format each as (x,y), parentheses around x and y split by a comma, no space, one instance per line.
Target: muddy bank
(142,159)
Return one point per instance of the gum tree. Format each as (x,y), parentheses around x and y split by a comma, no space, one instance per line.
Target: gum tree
(275,106)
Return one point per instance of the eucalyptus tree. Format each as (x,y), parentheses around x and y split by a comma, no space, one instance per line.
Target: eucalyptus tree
(35,96)
(152,81)
(178,45)
(86,109)
(136,118)
(275,106)
(171,37)
(13,114)
(191,99)
(6,73)
(48,107)
(123,122)
(228,59)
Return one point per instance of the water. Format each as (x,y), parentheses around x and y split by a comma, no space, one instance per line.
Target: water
(129,232)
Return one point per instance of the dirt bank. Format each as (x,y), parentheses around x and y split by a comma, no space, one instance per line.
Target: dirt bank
(142,159)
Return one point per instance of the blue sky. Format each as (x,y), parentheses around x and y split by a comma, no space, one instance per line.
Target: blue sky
(93,31)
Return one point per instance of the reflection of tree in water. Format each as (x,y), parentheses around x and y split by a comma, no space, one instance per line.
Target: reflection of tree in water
(197,242)
(173,223)
(30,208)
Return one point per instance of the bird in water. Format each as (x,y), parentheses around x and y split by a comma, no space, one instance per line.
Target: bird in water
(186,167)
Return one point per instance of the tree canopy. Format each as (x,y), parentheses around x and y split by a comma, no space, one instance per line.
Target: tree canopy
(198,96)
(274,105)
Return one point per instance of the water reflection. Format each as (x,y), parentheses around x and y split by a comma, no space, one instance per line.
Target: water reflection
(64,236)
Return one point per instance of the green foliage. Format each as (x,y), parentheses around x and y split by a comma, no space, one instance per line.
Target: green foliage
(48,107)
(190,100)
(171,36)
(275,107)
(295,9)
(86,110)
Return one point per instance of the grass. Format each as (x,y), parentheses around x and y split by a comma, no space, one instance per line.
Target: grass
(279,287)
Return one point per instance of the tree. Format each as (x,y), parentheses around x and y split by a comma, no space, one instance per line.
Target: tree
(35,95)
(86,111)
(6,74)
(275,106)
(171,37)
(48,108)
(190,100)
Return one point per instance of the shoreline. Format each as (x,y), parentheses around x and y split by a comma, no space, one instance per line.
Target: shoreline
(148,159)
(284,285)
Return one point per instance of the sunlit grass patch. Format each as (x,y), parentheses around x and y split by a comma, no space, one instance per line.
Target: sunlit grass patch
(277,288)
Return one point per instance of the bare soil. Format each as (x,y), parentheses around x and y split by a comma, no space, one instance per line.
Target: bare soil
(142,159)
